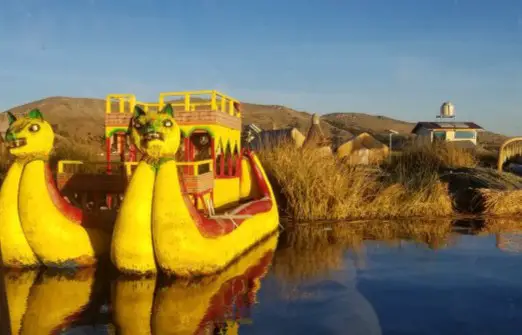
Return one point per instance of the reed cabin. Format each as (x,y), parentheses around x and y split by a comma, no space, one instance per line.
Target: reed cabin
(209,157)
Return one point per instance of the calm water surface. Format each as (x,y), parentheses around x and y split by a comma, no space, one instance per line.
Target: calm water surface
(317,280)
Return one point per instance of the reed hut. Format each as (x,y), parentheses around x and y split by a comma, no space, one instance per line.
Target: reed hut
(315,138)
(363,149)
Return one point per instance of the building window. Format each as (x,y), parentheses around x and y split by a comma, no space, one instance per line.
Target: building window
(468,135)
(439,135)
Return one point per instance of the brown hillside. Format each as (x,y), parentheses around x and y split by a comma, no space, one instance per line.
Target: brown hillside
(80,120)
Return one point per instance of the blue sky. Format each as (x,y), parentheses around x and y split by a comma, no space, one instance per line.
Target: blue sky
(399,58)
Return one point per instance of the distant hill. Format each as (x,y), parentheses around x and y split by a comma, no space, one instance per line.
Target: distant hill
(80,121)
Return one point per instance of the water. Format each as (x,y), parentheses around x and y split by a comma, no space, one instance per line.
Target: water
(320,280)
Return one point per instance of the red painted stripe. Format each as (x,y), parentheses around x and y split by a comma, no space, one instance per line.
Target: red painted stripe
(71,212)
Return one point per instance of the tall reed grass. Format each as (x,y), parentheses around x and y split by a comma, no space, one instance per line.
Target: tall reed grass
(322,187)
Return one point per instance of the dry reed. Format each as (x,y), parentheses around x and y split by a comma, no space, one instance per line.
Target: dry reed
(501,202)
(322,187)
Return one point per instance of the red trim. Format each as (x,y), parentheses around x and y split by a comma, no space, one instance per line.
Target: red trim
(121,145)
(222,164)
(132,153)
(238,165)
(72,213)
(233,292)
(212,228)
(109,167)
(230,161)
(69,211)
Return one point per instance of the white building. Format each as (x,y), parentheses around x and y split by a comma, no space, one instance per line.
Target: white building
(464,132)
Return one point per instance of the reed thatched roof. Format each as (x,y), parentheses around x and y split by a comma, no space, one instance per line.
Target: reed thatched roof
(315,136)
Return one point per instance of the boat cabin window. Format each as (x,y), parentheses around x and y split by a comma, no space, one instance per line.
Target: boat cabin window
(201,149)
(228,164)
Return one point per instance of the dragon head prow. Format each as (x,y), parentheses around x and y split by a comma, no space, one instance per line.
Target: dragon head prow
(155,134)
(29,135)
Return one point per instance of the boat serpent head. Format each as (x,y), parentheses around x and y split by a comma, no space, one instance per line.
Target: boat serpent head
(29,135)
(155,134)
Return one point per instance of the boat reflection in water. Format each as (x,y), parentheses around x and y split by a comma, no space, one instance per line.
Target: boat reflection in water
(217,303)
(46,302)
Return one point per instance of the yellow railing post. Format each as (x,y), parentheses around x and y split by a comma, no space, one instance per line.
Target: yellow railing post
(128,168)
(108,105)
(132,104)
(187,102)
(231,107)
(213,104)
(223,104)
(62,163)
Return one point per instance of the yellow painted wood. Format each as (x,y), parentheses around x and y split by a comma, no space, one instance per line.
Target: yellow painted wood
(15,249)
(179,246)
(56,239)
(131,249)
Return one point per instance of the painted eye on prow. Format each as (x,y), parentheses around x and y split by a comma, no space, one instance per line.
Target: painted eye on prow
(168,123)
(137,125)
(34,128)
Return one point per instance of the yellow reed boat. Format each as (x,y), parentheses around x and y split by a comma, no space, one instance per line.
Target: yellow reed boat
(193,307)
(196,200)
(15,249)
(37,225)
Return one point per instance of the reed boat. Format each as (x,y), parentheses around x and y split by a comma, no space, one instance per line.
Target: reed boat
(207,305)
(38,226)
(196,200)
(14,247)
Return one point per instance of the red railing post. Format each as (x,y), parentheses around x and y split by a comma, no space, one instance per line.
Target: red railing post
(109,167)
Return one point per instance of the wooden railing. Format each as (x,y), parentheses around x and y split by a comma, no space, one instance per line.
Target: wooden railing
(91,176)
(188,101)
(210,99)
(510,148)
